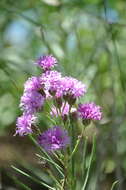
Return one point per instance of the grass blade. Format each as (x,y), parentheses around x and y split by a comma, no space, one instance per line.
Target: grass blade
(114,184)
(32,178)
(47,155)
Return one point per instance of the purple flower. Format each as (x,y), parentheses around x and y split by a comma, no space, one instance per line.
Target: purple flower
(46,62)
(31,102)
(72,87)
(24,124)
(90,111)
(32,84)
(51,82)
(59,86)
(54,139)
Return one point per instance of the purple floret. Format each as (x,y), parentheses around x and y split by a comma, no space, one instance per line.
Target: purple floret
(46,62)
(31,102)
(72,87)
(54,139)
(90,111)
(24,123)
(50,80)
(62,86)
(32,84)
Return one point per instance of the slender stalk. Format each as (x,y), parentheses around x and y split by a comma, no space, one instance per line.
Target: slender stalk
(84,156)
(90,162)
(48,161)
(46,154)
(72,158)
(19,183)
(58,158)
(49,171)
(54,178)
(64,106)
(114,184)
(48,116)
(32,178)
(75,148)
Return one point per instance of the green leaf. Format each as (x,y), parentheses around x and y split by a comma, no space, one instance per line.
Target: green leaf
(32,178)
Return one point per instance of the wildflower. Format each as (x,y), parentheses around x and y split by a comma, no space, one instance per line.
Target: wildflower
(31,102)
(59,86)
(46,62)
(90,111)
(24,124)
(54,139)
(72,88)
(32,84)
(51,82)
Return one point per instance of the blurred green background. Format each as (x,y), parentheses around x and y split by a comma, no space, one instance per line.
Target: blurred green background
(88,37)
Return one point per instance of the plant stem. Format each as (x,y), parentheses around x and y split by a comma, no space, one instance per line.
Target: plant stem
(90,162)
(84,156)
(113,185)
(72,158)
(47,155)
(32,178)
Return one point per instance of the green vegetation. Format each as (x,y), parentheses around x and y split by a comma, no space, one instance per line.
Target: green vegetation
(88,38)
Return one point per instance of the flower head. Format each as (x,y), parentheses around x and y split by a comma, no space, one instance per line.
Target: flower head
(32,84)
(54,139)
(51,82)
(46,62)
(31,102)
(72,87)
(90,111)
(59,86)
(24,124)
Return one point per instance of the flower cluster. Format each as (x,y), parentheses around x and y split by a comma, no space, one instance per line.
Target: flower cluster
(63,91)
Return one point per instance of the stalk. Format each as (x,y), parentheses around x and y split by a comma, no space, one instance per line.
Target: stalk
(90,162)
(84,156)
(72,158)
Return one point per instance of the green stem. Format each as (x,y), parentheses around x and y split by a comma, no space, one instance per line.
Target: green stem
(58,158)
(48,116)
(47,155)
(72,158)
(114,184)
(90,162)
(75,148)
(84,156)
(19,183)
(48,161)
(64,107)
(54,178)
(32,178)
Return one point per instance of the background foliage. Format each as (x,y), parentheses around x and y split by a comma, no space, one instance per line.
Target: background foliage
(88,38)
